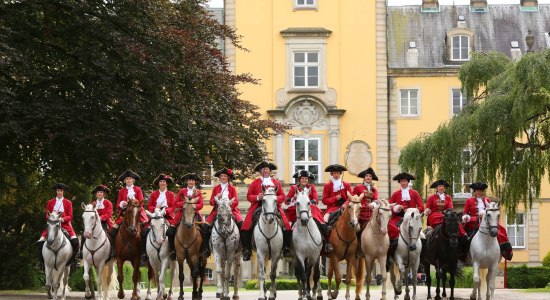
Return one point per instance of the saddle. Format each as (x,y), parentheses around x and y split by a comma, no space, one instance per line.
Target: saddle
(333,217)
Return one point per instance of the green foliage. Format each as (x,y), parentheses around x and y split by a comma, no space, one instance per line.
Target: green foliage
(506,125)
(466,281)
(524,277)
(76,281)
(546,260)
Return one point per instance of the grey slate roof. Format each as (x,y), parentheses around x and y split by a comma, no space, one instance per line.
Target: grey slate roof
(494,30)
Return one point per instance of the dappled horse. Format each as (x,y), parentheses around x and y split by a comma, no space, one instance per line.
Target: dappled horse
(344,241)
(127,245)
(226,245)
(307,243)
(374,245)
(96,253)
(485,251)
(407,254)
(159,253)
(57,251)
(268,241)
(442,252)
(188,244)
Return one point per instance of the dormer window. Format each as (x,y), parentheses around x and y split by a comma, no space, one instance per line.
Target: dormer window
(305,4)
(529,5)
(478,6)
(460,47)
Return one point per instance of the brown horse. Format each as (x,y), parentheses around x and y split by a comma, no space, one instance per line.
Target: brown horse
(127,245)
(188,247)
(344,239)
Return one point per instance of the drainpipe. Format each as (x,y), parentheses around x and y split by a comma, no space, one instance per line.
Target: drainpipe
(389,134)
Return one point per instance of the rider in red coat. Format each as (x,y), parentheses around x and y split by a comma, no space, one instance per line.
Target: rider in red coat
(303,178)
(335,193)
(255,196)
(473,207)
(104,208)
(438,203)
(64,207)
(371,194)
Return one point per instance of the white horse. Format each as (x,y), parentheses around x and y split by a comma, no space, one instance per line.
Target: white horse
(226,245)
(57,251)
(268,241)
(407,254)
(159,253)
(95,252)
(307,243)
(375,242)
(485,251)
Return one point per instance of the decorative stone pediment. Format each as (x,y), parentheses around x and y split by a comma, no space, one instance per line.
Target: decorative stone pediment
(358,157)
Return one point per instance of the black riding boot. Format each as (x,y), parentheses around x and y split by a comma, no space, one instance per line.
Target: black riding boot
(82,241)
(246,242)
(239,225)
(323,228)
(112,235)
(39,246)
(391,252)
(205,234)
(171,233)
(464,247)
(76,246)
(358,250)
(144,257)
(287,242)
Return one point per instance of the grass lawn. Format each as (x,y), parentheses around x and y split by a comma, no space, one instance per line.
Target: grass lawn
(544,290)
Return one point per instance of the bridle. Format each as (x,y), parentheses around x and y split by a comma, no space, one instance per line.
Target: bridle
(92,252)
(57,225)
(131,228)
(379,221)
(487,221)
(154,239)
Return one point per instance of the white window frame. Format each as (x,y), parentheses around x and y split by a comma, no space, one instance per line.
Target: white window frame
(460,47)
(307,163)
(203,175)
(512,228)
(306,65)
(209,276)
(305,44)
(461,189)
(409,114)
(463,101)
(305,5)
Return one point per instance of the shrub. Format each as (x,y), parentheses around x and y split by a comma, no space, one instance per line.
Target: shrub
(76,281)
(546,260)
(524,277)
(466,281)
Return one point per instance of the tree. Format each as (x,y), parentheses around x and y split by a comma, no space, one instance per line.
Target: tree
(90,88)
(506,126)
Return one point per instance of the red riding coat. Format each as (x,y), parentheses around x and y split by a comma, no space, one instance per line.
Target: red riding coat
(123,196)
(170,204)
(329,196)
(180,199)
(234,206)
(67,216)
(291,210)
(254,190)
(415,202)
(106,213)
(438,207)
(366,211)
(470,208)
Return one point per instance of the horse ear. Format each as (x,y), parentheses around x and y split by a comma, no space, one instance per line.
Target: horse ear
(349,194)
(83,205)
(231,201)
(163,211)
(149,214)
(412,214)
(392,205)
(263,188)
(486,203)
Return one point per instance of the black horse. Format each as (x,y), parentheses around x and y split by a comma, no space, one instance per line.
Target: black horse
(442,252)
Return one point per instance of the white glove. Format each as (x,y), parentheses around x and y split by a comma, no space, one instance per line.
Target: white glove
(123,204)
(427,211)
(397,208)
(373,205)
(61,220)
(466,218)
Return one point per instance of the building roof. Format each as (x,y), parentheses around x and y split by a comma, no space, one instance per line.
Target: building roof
(493,31)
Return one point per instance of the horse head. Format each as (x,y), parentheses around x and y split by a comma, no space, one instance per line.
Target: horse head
(491,217)
(354,208)
(90,218)
(224,209)
(269,206)
(412,223)
(158,225)
(451,226)
(54,226)
(382,214)
(189,207)
(131,217)
(303,206)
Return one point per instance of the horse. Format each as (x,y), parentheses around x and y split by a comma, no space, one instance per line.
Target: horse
(374,245)
(268,241)
(307,243)
(485,251)
(57,251)
(127,245)
(442,252)
(188,245)
(96,253)
(407,254)
(226,245)
(159,252)
(344,239)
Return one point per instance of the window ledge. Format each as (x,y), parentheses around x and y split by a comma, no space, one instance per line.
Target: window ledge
(306,90)
(412,117)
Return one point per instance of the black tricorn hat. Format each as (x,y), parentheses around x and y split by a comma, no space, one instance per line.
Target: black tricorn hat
(368,171)
(128,173)
(227,172)
(101,188)
(193,176)
(304,173)
(478,186)
(438,183)
(265,164)
(335,168)
(163,176)
(60,186)
(404,175)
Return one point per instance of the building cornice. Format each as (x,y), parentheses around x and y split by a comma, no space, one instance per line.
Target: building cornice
(424,72)
(301,32)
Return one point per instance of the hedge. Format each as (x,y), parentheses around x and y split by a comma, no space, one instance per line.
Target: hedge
(466,281)
(289,284)
(546,260)
(524,277)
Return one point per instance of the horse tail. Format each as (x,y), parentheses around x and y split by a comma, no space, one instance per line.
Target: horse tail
(109,269)
(459,273)
(359,274)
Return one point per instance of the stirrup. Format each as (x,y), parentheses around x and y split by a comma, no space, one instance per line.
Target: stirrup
(246,254)
(328,248)
(144,258)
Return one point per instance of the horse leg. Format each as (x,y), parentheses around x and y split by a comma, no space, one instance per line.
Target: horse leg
(428,278)
(490,282)
(161,278)
(359,277)
(172,265)
(181,277)
(438,280)
(261,277)
(229,266)
(65,281)
(414,281)
(368,271)
(316,280)
(219,288)
(136,277)
(406,277)
(273,277)
(99,270)
(237,281)
(86,277)
(56,276)
(193,267)
(107,278)
(301,276)
(337,276)
(120,278)
(452,275)
(350,261)
(444,282)
(382,263)
(397,284)
(329,278)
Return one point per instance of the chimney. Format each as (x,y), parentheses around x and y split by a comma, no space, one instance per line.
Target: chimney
(529,3)
(430,4)
(515,51)
(461,23)
(530,41)
(412,56)
(478,4)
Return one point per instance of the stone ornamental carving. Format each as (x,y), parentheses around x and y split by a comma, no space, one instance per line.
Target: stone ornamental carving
(330,98)
(306,114)
(358,156)
(281,97)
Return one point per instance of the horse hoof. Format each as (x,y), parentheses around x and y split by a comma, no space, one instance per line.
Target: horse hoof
(180,298)
(407,297)
(334,294)
(261,298)
(120,295)
(235,297)
(320,297)
(272,298)
(218,295)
